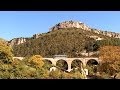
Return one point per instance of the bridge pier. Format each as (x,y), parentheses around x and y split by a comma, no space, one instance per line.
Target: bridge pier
(54,63)
(84,63)
(69,61)
(69,67)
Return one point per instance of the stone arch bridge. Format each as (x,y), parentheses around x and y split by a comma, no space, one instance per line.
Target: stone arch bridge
(68,60)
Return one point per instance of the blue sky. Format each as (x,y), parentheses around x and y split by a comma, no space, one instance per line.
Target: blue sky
(26,23)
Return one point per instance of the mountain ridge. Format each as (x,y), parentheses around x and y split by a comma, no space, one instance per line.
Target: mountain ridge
(63,25)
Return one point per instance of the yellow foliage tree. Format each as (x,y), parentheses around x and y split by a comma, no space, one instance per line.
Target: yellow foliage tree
(36,61)
(110,53)
(5,51)
(110,56)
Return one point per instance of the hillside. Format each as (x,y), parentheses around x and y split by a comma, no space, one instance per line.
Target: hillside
(64,41)
(69,37)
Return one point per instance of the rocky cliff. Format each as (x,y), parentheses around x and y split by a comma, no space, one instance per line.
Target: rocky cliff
(17,41)
(76,24)
(70,24)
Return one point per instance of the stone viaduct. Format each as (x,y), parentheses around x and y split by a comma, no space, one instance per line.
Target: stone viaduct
(68,60)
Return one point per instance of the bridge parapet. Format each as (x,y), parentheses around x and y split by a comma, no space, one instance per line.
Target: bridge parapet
(20,58)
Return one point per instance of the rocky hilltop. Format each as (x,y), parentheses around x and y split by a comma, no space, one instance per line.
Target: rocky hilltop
(76,24)
(70,24)
(63,25)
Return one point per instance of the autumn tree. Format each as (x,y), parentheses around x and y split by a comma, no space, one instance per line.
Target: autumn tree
(110,53)
(36,61)
(110,56)
(5,51)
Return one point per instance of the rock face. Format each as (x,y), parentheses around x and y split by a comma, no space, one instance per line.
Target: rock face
(75,24)
(106,33)
(35,36)
(17,41)
(70,24)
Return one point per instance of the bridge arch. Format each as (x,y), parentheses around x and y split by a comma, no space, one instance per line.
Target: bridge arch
(76,63)
(47,61)
(92,65)
(62,64)
(47,64)
(92,62)
(50,60)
